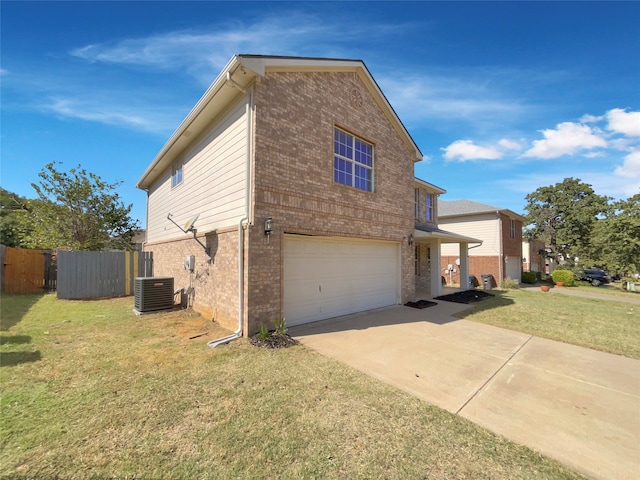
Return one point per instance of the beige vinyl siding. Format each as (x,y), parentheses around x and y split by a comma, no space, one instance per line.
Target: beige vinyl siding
(483,227)
(214,181)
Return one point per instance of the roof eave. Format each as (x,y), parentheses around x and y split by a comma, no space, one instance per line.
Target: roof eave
(174,141)
(252,66)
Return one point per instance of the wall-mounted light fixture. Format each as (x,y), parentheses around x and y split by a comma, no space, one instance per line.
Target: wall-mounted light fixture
(268,226)
(411,239)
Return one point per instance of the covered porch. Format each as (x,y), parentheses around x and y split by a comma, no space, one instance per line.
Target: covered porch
(428,268)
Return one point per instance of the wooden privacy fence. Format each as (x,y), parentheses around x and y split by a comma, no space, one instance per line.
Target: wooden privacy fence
(100,274)
(24,270)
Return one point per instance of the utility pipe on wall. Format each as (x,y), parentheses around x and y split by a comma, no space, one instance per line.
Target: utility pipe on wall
(246,218)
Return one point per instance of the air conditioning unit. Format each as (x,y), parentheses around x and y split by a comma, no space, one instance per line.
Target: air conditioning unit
(152,294)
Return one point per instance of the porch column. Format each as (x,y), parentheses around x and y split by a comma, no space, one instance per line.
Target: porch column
(464,266)
(436,268)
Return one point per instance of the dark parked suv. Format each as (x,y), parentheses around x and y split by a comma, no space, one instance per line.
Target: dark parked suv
(595,276)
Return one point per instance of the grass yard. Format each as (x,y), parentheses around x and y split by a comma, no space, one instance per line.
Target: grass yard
(91,391)
(605,325)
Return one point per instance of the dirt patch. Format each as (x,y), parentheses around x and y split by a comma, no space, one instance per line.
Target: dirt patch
(467,296)
(189,325)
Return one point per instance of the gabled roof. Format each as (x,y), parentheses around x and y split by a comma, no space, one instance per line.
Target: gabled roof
(460,208)
(429,186)
(238,76)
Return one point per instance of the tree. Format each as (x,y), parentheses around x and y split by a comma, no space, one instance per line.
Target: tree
(11,208)
(78,210)
(564,215)
(616,237)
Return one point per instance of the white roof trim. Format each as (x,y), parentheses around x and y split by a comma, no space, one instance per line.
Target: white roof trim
(252,66)
(430,186)
(444,236)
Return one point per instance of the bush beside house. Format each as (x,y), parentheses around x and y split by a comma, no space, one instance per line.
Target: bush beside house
(564,276)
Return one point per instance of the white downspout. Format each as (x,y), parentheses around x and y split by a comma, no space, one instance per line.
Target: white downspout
(501,254)
(238,332)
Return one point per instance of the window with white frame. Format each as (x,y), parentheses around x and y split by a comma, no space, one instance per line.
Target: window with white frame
(429,203)
(176,174)
(417,203)
(417,261)
(512,229)
(352,161)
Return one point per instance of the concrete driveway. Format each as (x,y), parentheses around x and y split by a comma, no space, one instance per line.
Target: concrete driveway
(577,405)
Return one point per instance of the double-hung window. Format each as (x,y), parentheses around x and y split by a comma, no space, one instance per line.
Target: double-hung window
(430,201)
(176,174)
(512,229)
(417,202)
(352,161)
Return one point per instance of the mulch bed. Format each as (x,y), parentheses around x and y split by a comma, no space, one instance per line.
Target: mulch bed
(274,340)
(468,296)
(420,304)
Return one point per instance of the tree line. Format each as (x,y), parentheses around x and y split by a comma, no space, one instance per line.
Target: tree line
(74,209)
(583,229)
(80,211)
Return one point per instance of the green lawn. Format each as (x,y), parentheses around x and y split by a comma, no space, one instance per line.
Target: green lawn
(91,391)
(609,326)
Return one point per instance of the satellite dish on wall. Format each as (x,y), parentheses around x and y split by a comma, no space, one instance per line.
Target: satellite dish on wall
(189,225)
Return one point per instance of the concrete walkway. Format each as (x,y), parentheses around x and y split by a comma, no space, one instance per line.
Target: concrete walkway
(579,406)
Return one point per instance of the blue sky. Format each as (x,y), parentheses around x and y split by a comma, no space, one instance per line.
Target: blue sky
(501,98)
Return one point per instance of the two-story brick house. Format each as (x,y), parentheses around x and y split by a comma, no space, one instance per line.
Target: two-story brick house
(500,229)
(301,175)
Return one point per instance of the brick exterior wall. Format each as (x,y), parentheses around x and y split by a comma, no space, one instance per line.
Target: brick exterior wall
(478,266)
(511,246)
(296,113)
(214,282)
(423,278)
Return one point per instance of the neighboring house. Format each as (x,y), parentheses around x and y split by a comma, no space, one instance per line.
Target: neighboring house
(429,238)
(302,177)
(500,230)
(534,256)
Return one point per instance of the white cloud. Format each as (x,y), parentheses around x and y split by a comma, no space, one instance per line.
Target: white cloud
(590,119)
(465,150)
(509,144)
(433,98)
(202,53)
(567,139)
(626,123)
(631,166)
(153,120)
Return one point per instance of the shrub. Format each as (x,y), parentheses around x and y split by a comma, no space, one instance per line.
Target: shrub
(509,283)
(529,277)
(281,326)
(565,276)
(263,332)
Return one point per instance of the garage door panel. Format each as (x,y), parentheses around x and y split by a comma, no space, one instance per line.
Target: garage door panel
(328,277)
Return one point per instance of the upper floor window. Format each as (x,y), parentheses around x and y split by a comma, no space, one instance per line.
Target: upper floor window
(417,202)
(430,206)
(512,229)
(176,174)
(352,161)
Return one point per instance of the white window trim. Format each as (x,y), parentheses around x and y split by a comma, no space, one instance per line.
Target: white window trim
(429,208)
(177,166)
(353,161)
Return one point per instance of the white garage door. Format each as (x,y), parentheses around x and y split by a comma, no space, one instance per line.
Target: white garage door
(513,268)
(326,277)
